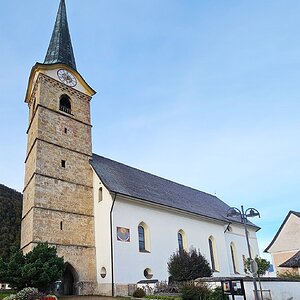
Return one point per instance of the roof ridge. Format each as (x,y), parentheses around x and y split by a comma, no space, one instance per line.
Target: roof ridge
(157,176)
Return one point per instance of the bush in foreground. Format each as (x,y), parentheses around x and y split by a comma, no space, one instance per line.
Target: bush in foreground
(139,293)
(38,268)
(186,266)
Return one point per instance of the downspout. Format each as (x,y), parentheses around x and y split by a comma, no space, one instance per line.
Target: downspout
(112,248)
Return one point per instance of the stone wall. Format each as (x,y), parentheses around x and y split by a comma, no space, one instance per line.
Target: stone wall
(58,193)
(61,195)
(50,92)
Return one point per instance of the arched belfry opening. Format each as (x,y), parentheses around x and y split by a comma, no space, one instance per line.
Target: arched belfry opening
(69,280)
(65,104)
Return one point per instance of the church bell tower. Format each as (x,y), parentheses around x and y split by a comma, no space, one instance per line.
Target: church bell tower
(58,187)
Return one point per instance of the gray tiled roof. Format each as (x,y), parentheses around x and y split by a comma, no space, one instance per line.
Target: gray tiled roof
(293,262)
(60,48)
(125,180)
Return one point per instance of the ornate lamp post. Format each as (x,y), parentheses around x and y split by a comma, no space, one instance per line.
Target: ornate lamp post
(248,213)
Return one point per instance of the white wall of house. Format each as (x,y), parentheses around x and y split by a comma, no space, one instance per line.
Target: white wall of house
(287,243)
(164,225)
(279,290)
(102,235)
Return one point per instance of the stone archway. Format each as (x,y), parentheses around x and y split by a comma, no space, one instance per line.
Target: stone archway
(69,279)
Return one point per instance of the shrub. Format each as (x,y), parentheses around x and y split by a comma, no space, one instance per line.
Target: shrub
(39,268)
(160,297)
(29,293)
(217,294)
(289,274)
(185,266)
(195,292)
(139,293)
(10,297)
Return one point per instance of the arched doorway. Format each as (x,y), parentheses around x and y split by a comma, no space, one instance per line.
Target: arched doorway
(69,279)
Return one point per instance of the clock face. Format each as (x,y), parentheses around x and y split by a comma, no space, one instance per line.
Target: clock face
(66,77)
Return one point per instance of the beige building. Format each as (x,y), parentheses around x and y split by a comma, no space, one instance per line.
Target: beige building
(285,246)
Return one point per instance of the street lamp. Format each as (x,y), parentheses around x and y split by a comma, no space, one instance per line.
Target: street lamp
(248,213)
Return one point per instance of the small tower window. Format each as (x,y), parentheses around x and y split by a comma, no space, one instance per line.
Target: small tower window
(66,130)
(100,194)
(63,163)
(65,104)
(61,225)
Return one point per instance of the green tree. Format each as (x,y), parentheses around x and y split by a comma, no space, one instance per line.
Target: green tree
(185,266)
(262,264)
(10,220)
(39,268)
(11,270)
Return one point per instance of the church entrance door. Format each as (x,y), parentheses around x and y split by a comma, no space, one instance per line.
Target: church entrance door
(69,280)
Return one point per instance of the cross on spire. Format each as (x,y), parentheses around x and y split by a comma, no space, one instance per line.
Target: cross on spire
(60,48)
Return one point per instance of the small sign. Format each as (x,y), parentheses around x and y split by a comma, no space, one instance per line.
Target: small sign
(123,234)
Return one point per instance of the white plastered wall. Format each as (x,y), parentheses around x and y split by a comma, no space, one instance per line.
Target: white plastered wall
(164,225)
(102,235)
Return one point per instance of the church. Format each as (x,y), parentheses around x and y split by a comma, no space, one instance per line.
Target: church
(114,225)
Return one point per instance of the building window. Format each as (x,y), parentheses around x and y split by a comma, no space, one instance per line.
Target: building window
(63,163)
(103,272)
(61,225)
(181,237)
(66,130)
(144,237)
(141,231)
(148,273)
(213,254)
(234,258)
(100,194)
(65,104)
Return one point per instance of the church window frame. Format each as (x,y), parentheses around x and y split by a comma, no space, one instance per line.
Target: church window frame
(144,237)
(148,274)
(103,272)
(65,104)
(234,260)
(182,241)
(100,194)
(212,244)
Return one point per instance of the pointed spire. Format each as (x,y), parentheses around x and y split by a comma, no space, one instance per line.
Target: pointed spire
(60,48)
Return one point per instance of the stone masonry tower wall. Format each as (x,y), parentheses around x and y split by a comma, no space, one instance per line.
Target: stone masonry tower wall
(58,200)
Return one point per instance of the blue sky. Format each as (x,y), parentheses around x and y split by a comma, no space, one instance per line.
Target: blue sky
(205,93)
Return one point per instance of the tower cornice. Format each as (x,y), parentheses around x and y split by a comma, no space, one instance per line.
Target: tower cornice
(44,68)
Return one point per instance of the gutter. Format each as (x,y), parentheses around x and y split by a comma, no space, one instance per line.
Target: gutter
(112,248)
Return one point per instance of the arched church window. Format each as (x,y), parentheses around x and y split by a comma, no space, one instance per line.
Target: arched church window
(213,254)
(234,258)
(182,244)
(65,104)
(144,237)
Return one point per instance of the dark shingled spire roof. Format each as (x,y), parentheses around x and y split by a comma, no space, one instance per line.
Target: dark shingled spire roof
(60,49)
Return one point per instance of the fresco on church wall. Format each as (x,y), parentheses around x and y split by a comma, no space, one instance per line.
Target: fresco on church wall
(123,234)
